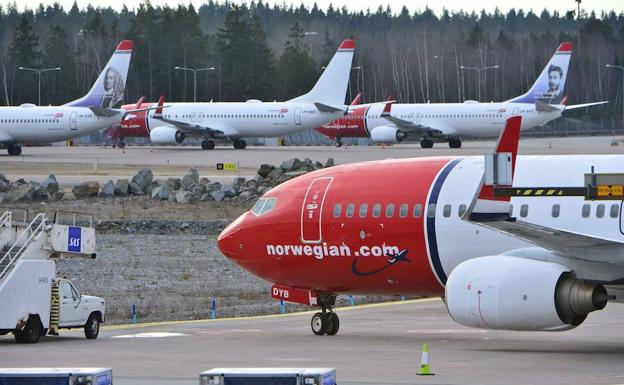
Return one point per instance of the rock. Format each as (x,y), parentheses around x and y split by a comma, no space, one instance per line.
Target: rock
(135,189)
(174,183)
(172,196)
(203,181)
(291,164)
(5,185)
(204,198)
(228,191)
(20,194)
(86,190)
(108,190)
(198,190)
(184,226)
(238,182)
(215,186)
(4,179)
(263,189)
(161,192)
(39,193)
(122,187)
(275,173)
(289,175)
(143,179)
(329,163)
(318,165)
(50,184)
(190,178)
(183,196)
(57,196)
(265,169)
(217,195)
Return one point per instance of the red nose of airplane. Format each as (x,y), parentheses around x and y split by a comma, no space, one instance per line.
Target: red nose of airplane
(230,240)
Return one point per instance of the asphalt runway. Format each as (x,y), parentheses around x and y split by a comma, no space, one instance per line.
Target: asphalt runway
(377,344)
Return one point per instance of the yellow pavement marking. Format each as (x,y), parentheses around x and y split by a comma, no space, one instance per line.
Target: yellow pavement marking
(268,316)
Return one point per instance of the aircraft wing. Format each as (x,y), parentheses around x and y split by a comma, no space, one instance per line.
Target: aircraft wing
(575,106)
(494,212)
(201,128)
(409,126)
(4,137)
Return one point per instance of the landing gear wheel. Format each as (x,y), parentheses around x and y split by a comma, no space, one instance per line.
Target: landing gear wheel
(207,144)
(319,324)
(426,143)
(455,143)
(338,142)
(14,149)
(240,144)
(333,323)
(121,144)
(92,327)
(31,332)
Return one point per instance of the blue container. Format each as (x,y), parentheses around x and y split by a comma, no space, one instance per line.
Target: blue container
(56,376)
(268,376)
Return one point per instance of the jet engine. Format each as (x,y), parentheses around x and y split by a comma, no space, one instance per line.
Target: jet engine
(513,293)
(387,134)
(166,135)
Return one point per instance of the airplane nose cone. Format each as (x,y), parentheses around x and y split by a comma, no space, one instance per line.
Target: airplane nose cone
(230,240)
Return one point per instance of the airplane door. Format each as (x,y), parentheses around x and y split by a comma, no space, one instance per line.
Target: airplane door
(72,121)
(312,210)
(621,218)
(298,116)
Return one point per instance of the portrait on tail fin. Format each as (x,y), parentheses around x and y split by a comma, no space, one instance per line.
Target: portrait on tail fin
(113,89)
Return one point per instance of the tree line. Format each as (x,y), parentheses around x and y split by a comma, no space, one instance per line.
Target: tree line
(277,52)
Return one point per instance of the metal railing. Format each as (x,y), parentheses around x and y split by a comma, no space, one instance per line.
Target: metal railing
(25,239)
(5,219)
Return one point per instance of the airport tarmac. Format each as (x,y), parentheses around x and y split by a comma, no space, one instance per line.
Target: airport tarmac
(100,163)
(377,344)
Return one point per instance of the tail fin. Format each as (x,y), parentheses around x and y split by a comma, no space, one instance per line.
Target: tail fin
(108,90)
(331,88)
(356,100)
(549,86)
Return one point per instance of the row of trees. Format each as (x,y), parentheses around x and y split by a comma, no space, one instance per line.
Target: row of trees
(277,52)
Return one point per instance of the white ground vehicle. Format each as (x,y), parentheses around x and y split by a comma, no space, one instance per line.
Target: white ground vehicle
(33,302)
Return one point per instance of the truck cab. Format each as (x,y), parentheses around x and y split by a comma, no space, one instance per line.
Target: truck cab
(76,310)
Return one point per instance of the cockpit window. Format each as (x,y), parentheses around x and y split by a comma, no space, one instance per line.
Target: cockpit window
(263,206)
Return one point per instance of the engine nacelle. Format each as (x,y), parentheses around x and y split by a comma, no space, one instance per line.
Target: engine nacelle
(387,134)
(166,135)
(512,293)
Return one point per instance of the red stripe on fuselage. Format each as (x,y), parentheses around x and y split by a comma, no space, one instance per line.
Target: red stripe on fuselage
(267,244)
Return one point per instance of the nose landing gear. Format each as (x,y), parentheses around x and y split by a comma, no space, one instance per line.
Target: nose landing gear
(325,321)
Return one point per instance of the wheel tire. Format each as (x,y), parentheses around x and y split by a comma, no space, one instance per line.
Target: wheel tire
(31,332)
(426,143)
(319,324)
(14,149)
(333,324)
(455,143)
(92,327)
(338,142)
(207,145)
(242,144)
(121,144)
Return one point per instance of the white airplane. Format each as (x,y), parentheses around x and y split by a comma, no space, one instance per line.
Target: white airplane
(98,109)
(451,122)
(235,120)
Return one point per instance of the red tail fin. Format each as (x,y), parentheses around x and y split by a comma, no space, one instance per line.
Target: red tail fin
(356,100)
(161,101)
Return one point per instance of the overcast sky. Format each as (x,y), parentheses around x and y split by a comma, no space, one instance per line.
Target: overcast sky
(504,5)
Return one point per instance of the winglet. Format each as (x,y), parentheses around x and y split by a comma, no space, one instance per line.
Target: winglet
(139,102)
(356,100)
(499,170)
(159,109)
(388,106)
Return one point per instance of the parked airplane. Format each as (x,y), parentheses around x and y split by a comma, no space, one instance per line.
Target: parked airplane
(451,122)
(540,260)
(93,112)
(236,120)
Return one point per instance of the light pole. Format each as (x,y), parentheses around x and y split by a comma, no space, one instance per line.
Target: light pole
(478,70)
(622,69)
(39,71)
(194,71)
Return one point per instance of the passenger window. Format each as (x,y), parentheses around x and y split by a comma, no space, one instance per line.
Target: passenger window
(431,210)
(403,210)
(462,210)
(524,210)
(363,210)
(337,210)
(350,210)
(390,210)
(447,211)
(615,211)
(600,210)
(556,208)
(586,210)
(376,210)
(417,210)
